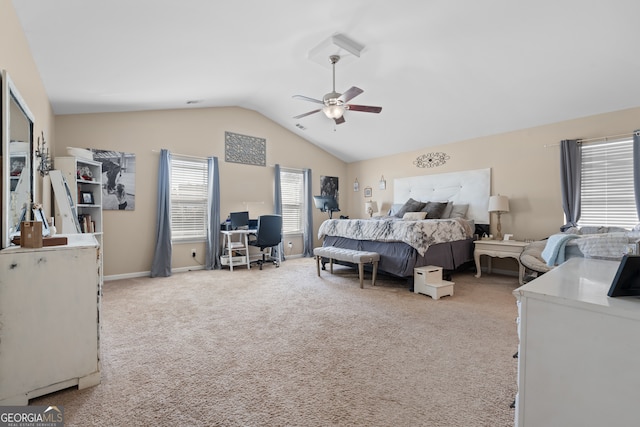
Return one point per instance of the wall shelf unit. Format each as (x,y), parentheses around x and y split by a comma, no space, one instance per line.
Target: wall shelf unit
(84,178)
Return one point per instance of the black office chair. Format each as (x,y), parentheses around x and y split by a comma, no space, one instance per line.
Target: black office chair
(268,235)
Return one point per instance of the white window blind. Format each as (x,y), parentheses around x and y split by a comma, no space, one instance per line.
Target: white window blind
(292,189)
(188,198)
(607,194)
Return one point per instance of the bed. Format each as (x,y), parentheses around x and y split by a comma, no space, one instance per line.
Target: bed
(456,207)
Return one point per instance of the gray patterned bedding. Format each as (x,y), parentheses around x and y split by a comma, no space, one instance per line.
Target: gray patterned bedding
(417,234)
(404,245)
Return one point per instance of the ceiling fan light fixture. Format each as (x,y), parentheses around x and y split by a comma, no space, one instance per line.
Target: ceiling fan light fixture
(333,111)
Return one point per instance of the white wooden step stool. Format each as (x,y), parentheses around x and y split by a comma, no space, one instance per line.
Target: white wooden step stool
(427,280)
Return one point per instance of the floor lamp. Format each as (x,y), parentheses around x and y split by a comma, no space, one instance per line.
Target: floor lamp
(499,204)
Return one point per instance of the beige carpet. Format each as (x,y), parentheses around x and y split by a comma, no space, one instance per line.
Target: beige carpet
(282,347)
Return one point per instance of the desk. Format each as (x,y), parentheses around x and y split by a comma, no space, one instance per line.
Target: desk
(230,246)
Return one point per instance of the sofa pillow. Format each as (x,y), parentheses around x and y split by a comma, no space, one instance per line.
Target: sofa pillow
(458,211)
(414,216)
(434,210)
(410,206)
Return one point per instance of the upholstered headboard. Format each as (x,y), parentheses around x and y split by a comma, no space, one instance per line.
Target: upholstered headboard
(472,187)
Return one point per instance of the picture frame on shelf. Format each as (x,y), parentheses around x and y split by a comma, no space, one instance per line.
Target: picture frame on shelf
(86,198)
(38,215)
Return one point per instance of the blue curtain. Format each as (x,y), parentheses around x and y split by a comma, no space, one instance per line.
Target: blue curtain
(161,266)
(636,168)
(277,206)
(212,260)
(570,170)
(308,217)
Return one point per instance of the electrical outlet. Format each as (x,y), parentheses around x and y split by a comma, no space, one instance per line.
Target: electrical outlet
(193,253)
(290,244)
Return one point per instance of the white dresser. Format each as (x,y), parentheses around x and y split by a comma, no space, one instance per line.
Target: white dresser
(49,319)
(579,349)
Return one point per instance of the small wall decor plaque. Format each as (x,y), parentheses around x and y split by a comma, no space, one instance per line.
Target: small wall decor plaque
(431,160)
(356,185)
(248,150)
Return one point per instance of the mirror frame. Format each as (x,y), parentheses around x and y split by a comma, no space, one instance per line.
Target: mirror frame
(9,92)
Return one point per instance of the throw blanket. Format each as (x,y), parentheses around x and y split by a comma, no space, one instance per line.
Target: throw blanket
(604,246)
(553,252)
(417,234)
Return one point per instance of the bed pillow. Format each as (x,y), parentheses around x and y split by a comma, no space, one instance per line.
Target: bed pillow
(414,216)
(434,210)
(393,210)
(459,211)
(447,210)
(410,206)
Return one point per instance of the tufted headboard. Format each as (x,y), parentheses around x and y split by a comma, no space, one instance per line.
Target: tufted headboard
(472,187)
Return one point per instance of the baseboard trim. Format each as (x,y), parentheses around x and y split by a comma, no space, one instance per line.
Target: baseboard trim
(174,270)
(148,273)
(500,271)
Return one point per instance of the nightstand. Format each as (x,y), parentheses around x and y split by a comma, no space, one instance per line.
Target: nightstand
(500,249)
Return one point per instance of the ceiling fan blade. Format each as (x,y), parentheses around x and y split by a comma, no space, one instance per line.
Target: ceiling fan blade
(350,94)
(307,114)
(340,120)
(306,98)
(364,108)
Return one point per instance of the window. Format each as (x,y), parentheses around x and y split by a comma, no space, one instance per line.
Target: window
(188,199)
(292,189)
(607,194)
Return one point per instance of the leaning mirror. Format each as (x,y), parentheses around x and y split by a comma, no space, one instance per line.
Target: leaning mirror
(17,159)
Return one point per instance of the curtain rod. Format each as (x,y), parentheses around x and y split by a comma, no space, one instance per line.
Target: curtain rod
(605,138)
(600,138)
(184,155)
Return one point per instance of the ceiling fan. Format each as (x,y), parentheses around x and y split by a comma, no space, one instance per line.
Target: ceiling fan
(335,103)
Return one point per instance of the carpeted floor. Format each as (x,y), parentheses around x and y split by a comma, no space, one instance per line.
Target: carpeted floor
(282,347)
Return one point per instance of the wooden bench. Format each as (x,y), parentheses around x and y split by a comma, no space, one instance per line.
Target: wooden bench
(348,255)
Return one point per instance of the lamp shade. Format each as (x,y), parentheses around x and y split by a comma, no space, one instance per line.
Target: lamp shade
(371,207)
(498,203)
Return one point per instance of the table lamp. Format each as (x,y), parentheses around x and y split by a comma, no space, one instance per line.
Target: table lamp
(371,208)
(499,204)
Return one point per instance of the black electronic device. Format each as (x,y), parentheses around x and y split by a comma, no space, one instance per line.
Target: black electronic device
(326,204)
(239,220)
(627,279)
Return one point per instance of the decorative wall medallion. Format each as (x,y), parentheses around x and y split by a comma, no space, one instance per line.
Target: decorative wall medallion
(431,160)
(248,150)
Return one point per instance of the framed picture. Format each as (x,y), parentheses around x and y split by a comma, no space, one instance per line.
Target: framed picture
(356,185)
(86,197)
(368,192)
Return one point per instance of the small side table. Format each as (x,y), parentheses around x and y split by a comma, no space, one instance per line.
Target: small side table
(500,249)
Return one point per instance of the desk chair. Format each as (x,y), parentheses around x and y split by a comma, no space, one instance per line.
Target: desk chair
(268,235)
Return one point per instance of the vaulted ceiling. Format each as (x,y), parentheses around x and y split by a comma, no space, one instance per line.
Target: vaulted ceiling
(441,70)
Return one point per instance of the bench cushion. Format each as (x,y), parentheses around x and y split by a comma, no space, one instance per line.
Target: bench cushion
(348,255)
